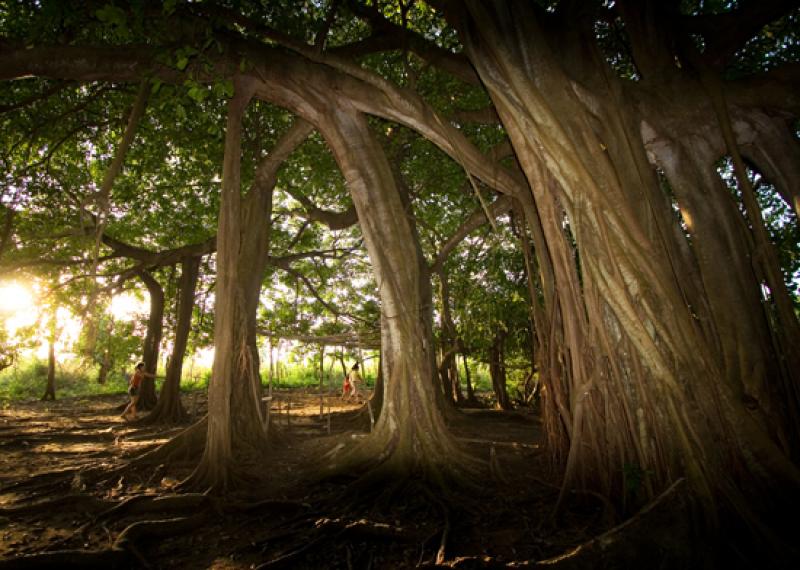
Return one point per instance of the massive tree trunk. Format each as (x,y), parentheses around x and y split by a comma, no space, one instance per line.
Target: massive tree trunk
(169,408)
(650,389)
(688,123)
(235,427)
(152,340)
(410,436)
(720,245)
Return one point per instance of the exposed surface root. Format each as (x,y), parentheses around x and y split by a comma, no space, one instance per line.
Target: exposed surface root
(49,481)
(338,529)
(102,559)
(186,445)
(82,503)
(154,504)
(158,528)
(375,513)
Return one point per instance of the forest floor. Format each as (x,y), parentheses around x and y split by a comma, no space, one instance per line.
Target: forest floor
(56,510)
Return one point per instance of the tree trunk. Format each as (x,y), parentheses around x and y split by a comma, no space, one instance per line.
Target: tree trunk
(497,370)
(448,369)
(169,409)
(410,436)
(152,340)
(768,142)
(235,426)
(105,367)
(723,255)
(50,389)
(648,390)
(376,401)
(468,376)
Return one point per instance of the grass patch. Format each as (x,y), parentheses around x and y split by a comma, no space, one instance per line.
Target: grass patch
(27,380)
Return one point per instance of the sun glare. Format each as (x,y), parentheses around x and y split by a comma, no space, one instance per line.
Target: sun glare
(15,298)
(17,307)
(126,307)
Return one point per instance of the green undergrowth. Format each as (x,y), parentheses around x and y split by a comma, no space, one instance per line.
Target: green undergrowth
(26,380)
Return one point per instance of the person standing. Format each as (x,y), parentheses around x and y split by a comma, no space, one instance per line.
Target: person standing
(355,380)
(134,388)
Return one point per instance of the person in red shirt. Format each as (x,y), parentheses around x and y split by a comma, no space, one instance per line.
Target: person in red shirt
(346,387)
(134,388)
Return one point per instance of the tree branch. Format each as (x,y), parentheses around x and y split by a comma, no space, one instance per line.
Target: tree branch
(726,33)
(499,207)
(369,339)
(388,36)
(313,213)
(52,90)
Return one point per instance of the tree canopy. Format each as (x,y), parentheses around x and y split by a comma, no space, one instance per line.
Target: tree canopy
(603,195)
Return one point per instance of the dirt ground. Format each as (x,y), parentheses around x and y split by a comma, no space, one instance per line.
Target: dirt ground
(52,513)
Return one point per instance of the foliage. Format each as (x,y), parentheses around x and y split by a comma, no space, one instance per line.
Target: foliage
(26,380)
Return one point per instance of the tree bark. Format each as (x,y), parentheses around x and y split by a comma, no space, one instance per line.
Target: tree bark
(448,368)
(768,142)
(649,385)
(234,394)
(169,409)
(497,370)
(235,427)
(50,389)
(152,340)
(410,436)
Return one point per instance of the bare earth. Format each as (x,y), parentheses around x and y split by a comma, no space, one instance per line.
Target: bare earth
(49,503)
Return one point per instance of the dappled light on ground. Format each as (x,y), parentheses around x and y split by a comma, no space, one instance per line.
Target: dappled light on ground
(76,437)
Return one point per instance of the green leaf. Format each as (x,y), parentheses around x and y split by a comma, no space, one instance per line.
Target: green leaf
(198,93)
(223,88)
(182,62)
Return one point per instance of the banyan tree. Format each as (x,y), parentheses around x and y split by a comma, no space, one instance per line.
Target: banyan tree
(666,333)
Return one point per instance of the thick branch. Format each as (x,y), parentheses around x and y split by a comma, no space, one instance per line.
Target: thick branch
(364,340)
(49,92)
(474,221)
(388,36)
(160,258)
(285,80)
(313,213)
